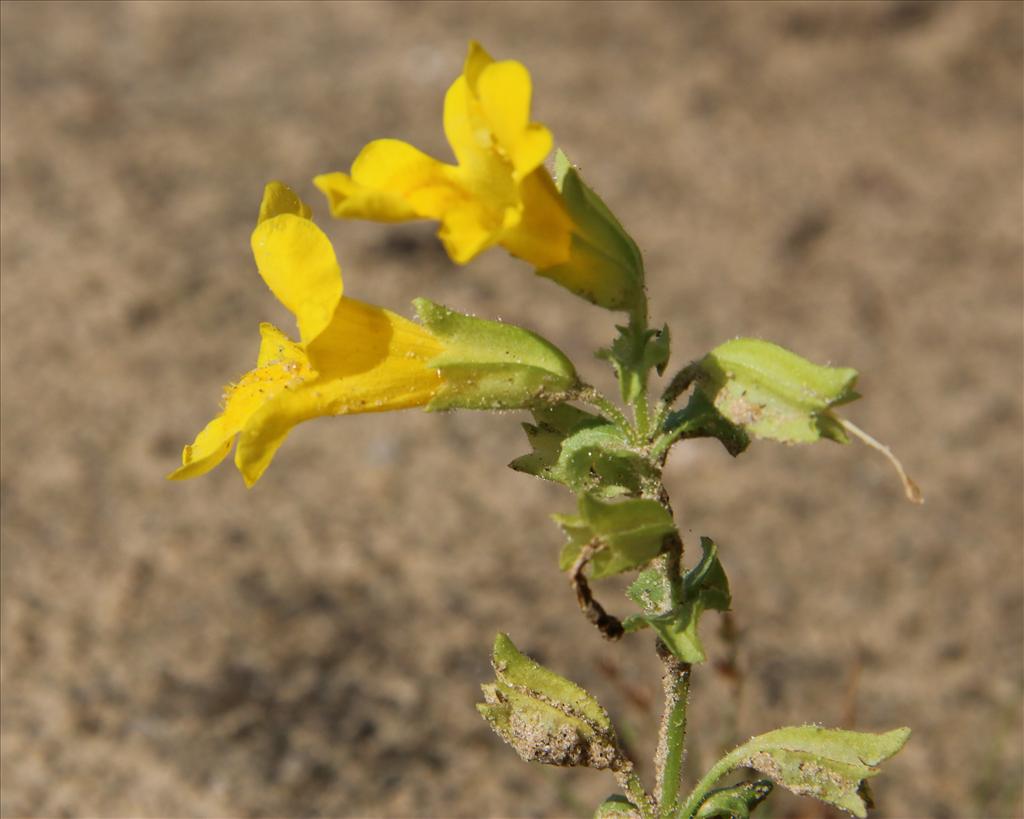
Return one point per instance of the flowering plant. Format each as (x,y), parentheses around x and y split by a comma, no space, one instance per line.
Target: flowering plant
(355,357)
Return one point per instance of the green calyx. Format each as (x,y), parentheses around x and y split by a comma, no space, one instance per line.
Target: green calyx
(605,266)
(492,365)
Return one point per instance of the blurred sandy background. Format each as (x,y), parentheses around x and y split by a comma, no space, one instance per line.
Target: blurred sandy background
(844,179)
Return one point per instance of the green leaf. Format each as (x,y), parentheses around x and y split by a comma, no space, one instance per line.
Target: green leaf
(737,802)
(626,534)
(701,419)
(605,266)
(616,807)
(585,452)
(491,365)
(773,393)
(705,587)
(543,716)
(707,580)
(633,354)
(828,764)
(650,590)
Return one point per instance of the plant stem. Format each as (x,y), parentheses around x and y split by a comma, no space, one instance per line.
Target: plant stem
(642,415)
(668,761)
(672,735)
(664,442)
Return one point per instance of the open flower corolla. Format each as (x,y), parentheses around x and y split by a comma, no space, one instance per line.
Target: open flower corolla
(351,357)
(498,192)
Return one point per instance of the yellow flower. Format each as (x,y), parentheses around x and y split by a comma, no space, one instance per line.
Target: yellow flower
(351,357)
(498,193)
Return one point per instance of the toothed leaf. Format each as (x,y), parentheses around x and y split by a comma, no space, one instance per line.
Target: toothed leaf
(628,534)
(828,764)
(772,393)
(582,451)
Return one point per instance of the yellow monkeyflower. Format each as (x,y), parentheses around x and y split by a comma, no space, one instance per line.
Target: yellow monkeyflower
(351,357)
(498,193)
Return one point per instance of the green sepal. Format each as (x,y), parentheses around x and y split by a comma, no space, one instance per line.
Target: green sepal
(828,764)
(543,716)
(737,802)
(705,587)
(627,534)
(633,354)
(701,419)
(583,451)
(775,394)
(605,266)
(491,365)
(617,807)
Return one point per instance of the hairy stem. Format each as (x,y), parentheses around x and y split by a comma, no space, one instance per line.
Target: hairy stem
(642,416)
(672,734)
(668,761)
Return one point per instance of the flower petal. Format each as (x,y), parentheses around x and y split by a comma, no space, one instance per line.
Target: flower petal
(477,59)
(363,337)
(369,360)
(296,260)
(281,363)
(461,109)
(278,198)
(267,430)
(465,141)
(465,232)
(504,91)
(544,236)
(210,447)
(391,181)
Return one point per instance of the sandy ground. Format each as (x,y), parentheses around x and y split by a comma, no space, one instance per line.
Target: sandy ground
(843,179)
